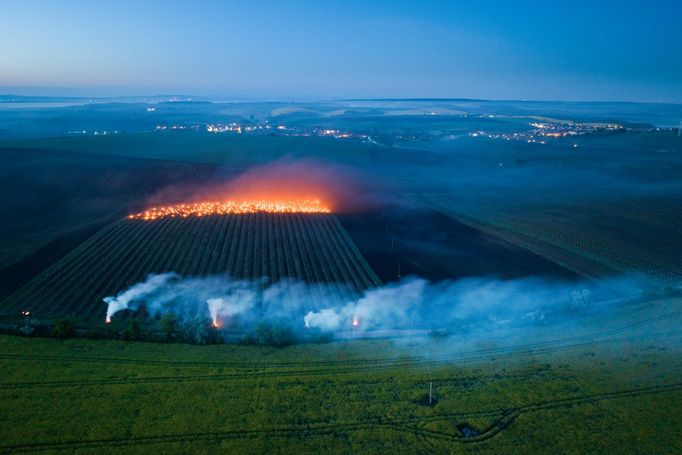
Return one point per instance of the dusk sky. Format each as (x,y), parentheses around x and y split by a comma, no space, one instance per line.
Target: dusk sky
(581,50)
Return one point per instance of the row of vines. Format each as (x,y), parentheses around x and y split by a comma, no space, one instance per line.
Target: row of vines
(270,247)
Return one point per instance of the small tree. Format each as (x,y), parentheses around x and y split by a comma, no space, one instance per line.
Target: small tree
(169,324)
(132,332)
(272,333)
(201,331)
(63,328)
(142,313)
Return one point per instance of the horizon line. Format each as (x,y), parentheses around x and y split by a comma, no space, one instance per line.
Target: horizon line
(308,98)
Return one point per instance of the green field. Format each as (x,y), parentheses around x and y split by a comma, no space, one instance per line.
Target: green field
(305,247)
(598,389)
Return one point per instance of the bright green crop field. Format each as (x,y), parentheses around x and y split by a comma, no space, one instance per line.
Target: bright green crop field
(613,389)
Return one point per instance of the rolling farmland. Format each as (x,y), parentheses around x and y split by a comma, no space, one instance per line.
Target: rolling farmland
(313,248)
(593,240)
(359,276)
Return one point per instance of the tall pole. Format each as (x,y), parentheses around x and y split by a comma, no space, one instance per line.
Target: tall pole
(430,391)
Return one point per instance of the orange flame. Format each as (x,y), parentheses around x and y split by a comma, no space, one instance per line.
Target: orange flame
(231,208)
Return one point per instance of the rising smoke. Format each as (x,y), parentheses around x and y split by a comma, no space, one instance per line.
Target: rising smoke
(342,188)
(136,293)
(411,304)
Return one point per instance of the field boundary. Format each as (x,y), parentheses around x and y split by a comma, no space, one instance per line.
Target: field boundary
(348,368)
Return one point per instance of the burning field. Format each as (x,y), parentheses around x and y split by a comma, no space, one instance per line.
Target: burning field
(231,208)
(279,187)
(270,224)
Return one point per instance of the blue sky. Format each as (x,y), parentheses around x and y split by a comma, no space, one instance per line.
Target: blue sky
(580,50)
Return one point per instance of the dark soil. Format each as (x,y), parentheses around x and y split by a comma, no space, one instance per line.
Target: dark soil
(399,242)
(21,272)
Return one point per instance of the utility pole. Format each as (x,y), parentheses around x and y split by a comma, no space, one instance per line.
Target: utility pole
(430,391)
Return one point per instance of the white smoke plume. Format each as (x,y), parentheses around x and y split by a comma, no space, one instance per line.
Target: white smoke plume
(417,303)
(387,306)
(136,292)
(412,303)
(327,319)
(231,305)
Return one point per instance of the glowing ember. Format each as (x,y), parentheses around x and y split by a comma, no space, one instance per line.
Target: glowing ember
(230,208)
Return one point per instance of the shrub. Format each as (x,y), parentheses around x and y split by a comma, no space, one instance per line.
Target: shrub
(200,330)
(169,324)
(100,333)
(63,328)
(277,334)
(132,331)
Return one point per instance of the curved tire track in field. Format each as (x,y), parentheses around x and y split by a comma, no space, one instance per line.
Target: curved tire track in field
(511,414)
(402,425)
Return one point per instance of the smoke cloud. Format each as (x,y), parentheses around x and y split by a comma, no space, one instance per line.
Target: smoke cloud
(136,293)
(341,188)
(413,304)
(230,306)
